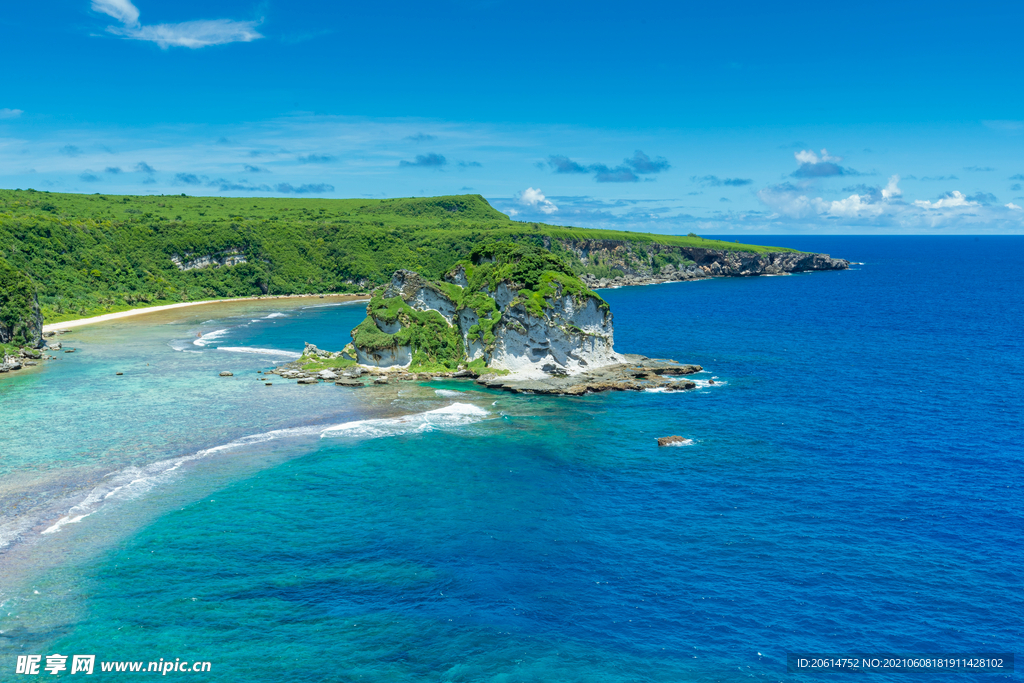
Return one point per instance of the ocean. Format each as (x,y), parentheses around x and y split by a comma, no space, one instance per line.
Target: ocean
(851,484)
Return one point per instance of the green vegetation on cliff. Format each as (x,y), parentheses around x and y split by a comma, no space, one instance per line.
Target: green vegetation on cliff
(19,315)
(532,274)
(435,344)
(94,254)
(536,274)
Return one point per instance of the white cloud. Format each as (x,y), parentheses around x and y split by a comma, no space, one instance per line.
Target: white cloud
(191,34)
(854,206)
(122,10)
(874,208)
(808,156)
(891,190)
(536,200)
(788,200)
(953,200)
(10,113)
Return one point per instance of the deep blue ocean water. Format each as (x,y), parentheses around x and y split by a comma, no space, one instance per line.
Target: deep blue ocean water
(853,485)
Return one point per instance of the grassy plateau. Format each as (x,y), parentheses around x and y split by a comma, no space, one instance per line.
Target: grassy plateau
(87,255)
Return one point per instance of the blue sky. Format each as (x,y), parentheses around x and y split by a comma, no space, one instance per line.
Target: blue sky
(715,118)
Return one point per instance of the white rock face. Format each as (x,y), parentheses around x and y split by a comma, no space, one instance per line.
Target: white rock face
(466,320)
(389,328)
(385,358)
(458,277)
(503,296)
(226,258)
(428,299)
(416,292)
(570,338)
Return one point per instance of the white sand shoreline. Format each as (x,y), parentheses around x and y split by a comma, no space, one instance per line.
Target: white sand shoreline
(68,324)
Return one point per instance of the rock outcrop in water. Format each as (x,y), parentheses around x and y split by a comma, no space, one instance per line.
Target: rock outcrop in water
(510,308)
(634,373)
(515,317)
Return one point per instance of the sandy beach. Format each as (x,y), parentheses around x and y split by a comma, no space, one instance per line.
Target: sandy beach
(68,324)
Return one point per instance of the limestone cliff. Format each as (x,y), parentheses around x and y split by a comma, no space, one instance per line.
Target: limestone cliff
(510,307)
(619,262)
(21,322)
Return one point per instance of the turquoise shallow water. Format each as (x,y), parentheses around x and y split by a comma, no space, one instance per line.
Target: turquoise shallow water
(852,486)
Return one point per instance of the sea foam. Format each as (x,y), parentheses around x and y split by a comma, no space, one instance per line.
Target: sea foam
(210,337)
(455,415)
(131,482)
(264,352)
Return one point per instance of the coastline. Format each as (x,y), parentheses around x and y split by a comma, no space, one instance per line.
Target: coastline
(68,324)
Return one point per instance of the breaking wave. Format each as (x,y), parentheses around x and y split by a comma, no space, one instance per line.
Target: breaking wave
(210,337)
(132,482)
(455,415)
(264,352)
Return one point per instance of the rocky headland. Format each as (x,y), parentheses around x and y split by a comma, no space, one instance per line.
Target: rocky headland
(618,263)
(512,317)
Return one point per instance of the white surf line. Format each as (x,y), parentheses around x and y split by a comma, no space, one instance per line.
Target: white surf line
(264,352)
(68,324)
(133,481)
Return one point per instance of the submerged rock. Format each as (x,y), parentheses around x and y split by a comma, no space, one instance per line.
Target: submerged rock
(312,350)
(638,374)
(678,369)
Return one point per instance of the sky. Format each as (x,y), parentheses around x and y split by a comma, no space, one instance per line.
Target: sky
(667,117)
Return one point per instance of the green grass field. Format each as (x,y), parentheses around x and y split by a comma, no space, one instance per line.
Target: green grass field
(93,254)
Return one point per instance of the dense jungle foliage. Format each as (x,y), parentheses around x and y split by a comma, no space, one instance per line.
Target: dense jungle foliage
(93,254)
